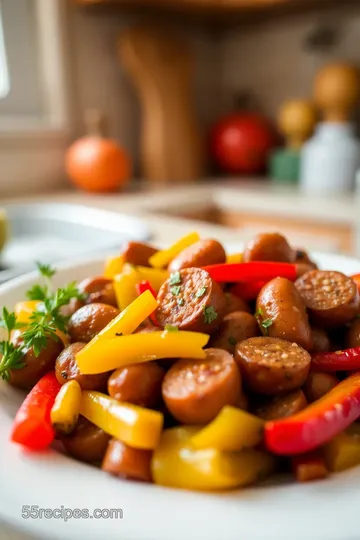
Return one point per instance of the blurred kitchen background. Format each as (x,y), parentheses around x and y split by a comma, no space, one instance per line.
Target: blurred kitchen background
(229,116)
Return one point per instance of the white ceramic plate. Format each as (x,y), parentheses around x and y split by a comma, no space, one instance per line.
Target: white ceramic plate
(325,510)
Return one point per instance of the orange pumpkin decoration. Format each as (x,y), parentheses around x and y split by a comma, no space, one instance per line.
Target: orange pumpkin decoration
(95,163)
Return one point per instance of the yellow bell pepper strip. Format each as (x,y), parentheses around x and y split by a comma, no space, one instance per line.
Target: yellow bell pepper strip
(113,266)
(128,320)
(343,451)
(24,310)
(234,258)
(318,423)
(231,431)
(176,463)
(125,283)
(309,467)
(162,258)
(65,411)
(109,354)
(154,276)
(136,426)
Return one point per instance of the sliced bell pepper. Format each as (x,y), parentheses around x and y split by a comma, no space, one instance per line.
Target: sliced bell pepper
(234,258)
(125,283)
(248,290)
(127,321)
(141,288)
(343,451)
(133,425)
(309,467)
(113,266)
(317,423)
(32,426)
(356,278)
(162,258)
(251,271)
(232,430)
(113,353)
(345,360)
(65,411)
(176,463)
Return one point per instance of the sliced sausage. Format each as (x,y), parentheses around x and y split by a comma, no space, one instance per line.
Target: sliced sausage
(235,327)
(272,366)
(90,320)
(191,300)
(234,303)
(352,338)
(282,313)
(98,289)
(126,462)
(269,247)
(35,366)
(302,257)
(66,369)
(282,406)
(195,391)
(138,253)
(139,384)
(202,253)
(87,442)
(320,341)
(318,384)
(331,297)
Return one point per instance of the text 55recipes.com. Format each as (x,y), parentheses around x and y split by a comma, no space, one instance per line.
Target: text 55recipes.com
(35,512)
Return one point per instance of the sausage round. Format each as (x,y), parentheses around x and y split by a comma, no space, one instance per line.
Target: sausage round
(282,313)
(87,442)
(282,406)
(196,390)
(138,253)
(191,300)
(98,290)
(302,257)
(320,341)
(202,253)
(66,369)
(352,338)
(35,366)
(331,297)
(122,460)
(90,320)
(235,327)
(139,384)
(269,247)
(272,366)
(234,303)
(318,384)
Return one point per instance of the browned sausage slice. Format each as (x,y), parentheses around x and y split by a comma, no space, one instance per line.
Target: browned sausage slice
(90,320)
(235,327)
(282,313)
(282,406)
(138,253)
(66,369)
(353,335)
(87,442)
(318,384)
(269,247)
(195,391)
(332,297)
(122,460)
(272,366)
(191,300)
(202,253)
(234,303)
(139,384)
(320,340)
(98,289)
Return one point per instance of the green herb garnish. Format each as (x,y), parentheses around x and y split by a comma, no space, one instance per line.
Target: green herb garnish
(12,356)
(232,341)
(181,302)
(170,328)
(264,323)
(210,314)
(201,292)
(175,290)
(175,278)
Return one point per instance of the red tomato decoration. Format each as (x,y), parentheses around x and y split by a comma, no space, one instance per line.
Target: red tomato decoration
(241,142)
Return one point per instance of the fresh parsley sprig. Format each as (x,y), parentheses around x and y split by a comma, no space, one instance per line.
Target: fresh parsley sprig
(12,356)
(263,323)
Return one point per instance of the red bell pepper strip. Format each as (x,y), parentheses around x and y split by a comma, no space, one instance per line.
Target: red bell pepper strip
(146,286)
(317,423)
(251,271)
(247,291)
(345,360)
(32,425)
